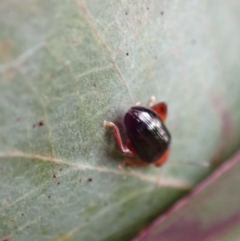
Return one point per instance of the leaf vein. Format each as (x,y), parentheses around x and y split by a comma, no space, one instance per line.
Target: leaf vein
(90,22)
(84,167)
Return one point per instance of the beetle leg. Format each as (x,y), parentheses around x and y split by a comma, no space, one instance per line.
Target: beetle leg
(152,101)
(163,158)
(161,109)
(132,162)
(138,103)
(125,148)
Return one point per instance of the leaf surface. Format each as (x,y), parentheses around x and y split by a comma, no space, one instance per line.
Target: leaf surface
(66,67)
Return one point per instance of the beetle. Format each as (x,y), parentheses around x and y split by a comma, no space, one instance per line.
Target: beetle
(148,137)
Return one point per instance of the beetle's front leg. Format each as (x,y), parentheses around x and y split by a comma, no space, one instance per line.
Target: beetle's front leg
(124,147)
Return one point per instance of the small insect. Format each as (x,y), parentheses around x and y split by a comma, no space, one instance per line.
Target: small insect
(148,137)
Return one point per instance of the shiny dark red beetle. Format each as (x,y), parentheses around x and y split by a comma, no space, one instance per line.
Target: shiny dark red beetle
(148,136)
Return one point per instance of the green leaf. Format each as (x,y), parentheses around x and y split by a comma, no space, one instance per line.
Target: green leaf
(67,66)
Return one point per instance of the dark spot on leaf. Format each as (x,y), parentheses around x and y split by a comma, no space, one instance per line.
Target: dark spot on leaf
(54,176)
(40,123)
(60,169)
(58,183)
(147,8)
(89,179)
(94,85)
(126,13)
(127,54)
(49,196)
(22,214)
(162,12)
